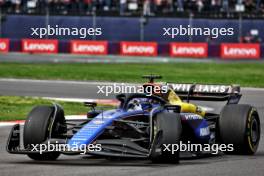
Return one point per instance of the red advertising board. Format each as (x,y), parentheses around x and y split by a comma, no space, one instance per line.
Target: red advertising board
(139,48)
(240,51)
(189,50)
(4,45)
(89,47)
(39,46)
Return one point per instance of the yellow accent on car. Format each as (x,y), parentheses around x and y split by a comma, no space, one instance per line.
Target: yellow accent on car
(174,99)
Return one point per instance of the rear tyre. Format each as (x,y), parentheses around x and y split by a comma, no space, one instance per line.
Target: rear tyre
(169,124)
(37,129)
(240,125)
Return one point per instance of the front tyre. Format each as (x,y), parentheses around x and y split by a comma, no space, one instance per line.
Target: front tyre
(37,129)
(170,127)
(240,125)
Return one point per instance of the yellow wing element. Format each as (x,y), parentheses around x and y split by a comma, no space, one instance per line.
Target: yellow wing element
(174,99)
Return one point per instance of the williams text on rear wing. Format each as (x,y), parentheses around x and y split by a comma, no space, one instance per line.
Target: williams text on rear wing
(207,92)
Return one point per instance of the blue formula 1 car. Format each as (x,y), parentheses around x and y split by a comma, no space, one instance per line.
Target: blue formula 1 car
(144,126)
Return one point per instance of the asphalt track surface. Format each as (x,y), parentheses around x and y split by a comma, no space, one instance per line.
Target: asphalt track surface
(20,165)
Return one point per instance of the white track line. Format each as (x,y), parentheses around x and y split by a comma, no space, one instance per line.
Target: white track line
(4,124)
(69,117)
(111,102)
(252,89)
(78,100)
(60,81)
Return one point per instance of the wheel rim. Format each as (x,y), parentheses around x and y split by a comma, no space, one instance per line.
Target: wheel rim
(254,131)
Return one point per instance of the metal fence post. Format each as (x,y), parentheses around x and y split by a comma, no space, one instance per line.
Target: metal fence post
(190,24)
(240,20)
(94,21)
(143,21)
(47,18)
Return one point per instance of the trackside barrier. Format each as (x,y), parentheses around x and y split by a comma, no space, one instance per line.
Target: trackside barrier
(174,49)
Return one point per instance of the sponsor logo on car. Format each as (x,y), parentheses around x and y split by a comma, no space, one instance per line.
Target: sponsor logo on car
(98,122)
(201,88)
(191,117)
(204,131)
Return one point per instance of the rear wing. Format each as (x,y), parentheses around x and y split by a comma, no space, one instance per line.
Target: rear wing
(207,92)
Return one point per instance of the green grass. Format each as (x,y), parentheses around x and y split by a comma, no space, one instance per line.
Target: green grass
(245,74)
(17,108)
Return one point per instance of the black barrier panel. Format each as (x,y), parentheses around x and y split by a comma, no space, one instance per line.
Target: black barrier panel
(127,28)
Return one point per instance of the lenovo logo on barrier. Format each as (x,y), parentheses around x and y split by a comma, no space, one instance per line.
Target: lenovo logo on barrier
(188,49)
(89,47)
(39,46)
(4,45)
(240,51)
(139,48)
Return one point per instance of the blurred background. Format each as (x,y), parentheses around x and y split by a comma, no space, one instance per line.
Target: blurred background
(134,20)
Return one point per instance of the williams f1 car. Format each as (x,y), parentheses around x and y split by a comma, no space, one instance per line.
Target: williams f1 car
(143,125)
